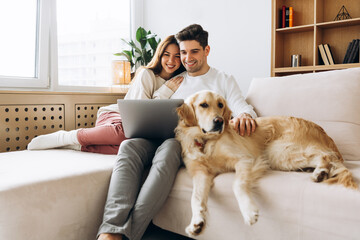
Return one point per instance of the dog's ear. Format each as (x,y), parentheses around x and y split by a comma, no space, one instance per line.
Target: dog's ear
(227,114)
(187,115)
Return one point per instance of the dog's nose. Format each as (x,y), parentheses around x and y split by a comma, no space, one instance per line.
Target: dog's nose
(218,122)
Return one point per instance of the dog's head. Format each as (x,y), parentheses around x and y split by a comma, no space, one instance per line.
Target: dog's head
(205,109)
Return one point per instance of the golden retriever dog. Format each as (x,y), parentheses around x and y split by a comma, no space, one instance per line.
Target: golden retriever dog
(211,146)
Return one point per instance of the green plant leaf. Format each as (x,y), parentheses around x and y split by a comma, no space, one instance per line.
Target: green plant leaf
(134,48)
(138,51)
(150,37)
(141,37)
(127,42)
(123,54)
(140,55)
(153,43)
(128,53)
(140,33)
(133,45)
(130,43)
(148,56)
(140,60)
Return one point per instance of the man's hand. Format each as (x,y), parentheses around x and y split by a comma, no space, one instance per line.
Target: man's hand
(174,83)
(243,123)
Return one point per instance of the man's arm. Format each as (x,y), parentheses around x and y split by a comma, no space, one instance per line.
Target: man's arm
(243,122)
(235,99)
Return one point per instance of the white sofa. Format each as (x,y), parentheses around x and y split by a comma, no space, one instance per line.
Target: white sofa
(291,205)
(60,194)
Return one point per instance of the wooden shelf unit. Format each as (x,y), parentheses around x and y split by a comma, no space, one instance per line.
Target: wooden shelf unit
(313,24)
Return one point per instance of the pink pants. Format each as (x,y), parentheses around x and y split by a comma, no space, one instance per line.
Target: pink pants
(105,137)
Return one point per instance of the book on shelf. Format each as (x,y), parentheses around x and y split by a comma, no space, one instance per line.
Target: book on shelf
(348,51)
(286,17)
(287,14)
(283,10)
(322,56)
(357,56)
(329,54)
(291,16)
(354,54)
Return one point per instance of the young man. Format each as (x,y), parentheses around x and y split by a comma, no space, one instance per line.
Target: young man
(127,214)
(194,50)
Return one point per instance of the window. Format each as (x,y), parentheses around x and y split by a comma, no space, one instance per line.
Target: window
(24,43)
(83,36)
(89,33)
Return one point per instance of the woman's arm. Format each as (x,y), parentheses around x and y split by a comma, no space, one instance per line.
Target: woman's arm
(168,89)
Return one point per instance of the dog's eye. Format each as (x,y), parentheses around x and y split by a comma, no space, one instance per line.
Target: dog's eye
(220,105)
(204,105)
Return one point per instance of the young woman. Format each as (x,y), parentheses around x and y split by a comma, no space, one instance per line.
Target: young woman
(150,82)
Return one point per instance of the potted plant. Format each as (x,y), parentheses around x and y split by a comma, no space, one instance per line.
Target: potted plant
(140,55)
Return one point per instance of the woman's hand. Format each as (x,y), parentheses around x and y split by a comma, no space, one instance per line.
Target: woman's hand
(174,83)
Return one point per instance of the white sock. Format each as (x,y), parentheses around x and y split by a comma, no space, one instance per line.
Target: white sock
(54,140)
(76,147)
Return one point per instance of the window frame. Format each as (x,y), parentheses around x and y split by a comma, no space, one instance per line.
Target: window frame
(47,79)
(42,61)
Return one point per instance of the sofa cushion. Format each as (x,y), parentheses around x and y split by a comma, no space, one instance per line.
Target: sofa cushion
(330,99)
(53,194)
(291,206)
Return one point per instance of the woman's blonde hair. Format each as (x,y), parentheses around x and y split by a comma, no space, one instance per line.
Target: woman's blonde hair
(155,63)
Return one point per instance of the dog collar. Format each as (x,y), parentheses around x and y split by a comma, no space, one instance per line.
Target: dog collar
(201,145)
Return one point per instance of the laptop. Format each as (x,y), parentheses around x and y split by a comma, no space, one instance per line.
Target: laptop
(149,118)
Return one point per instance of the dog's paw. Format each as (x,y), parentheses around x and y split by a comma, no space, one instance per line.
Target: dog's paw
(320,174)
(195,227)
(251,215)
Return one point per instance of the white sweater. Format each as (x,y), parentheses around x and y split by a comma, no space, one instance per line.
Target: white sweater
(219,82)
(148,86)
(145,86)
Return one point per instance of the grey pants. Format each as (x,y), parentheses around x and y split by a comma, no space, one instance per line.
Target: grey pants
(130,206)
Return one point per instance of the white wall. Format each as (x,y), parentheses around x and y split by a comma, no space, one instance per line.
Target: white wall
(239,31)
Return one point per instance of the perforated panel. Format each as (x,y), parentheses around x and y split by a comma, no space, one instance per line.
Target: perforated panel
(20,123)
(86,114)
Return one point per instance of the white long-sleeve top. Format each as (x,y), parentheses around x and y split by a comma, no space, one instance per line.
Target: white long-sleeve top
(219,82)
(146,85)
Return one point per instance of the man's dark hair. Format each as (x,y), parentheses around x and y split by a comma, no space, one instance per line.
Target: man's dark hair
(193,32)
